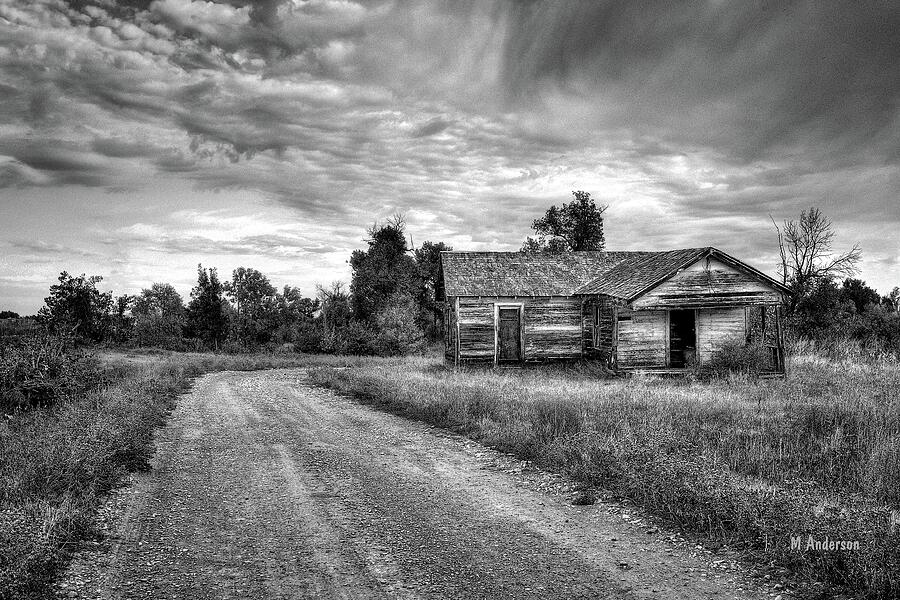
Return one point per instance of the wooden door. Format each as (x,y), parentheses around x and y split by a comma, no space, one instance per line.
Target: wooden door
(682,338)
(509,335)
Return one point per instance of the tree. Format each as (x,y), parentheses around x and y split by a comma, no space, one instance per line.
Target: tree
(8,314)
(824,312)
(335,305)
(207,317)
(292,310)
(255,304)
(806,253)
(158,317)
(338,332)
(862,296)
(572,227)
(428,264)
(381,271)
(892,300)
(75,305)
(121,322)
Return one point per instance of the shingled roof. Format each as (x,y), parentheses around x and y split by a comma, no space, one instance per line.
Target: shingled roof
(640,271)
(523,273)
(624,275)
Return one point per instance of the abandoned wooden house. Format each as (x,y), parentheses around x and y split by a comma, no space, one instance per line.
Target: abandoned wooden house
(665,311)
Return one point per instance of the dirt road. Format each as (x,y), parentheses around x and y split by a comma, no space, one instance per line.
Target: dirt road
(265,487)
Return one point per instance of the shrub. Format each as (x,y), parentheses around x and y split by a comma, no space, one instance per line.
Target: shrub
(308,338)
(398,330)
(738,357)
(42,369)
(357,339)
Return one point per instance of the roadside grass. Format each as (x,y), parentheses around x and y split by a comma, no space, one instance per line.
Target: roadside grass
(743,460)
(56,463)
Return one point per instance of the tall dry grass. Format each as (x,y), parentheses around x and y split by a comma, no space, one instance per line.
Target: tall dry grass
(748,460)
(56,463)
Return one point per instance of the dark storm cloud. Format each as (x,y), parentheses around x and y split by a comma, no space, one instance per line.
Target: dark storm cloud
(120,147)
(744,78)
(60,161)
(432,127)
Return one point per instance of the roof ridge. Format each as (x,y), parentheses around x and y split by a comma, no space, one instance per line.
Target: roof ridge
(577,252)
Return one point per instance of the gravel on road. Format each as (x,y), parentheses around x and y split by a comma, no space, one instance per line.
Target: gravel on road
(264,486)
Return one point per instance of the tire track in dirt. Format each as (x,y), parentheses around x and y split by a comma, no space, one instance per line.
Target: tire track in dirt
(266,487)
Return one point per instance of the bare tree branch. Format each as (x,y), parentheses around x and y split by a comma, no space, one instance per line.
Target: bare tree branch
(806,253)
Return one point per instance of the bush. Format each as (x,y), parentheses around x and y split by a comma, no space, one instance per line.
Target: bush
(356,339)
(308,338)
(398,330)
(41,370)
(738,357)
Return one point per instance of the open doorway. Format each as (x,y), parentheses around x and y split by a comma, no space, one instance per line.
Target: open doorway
(682,338)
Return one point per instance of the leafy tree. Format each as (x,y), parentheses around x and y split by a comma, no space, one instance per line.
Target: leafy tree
(207,316)
(121,323)
(335,305)
(824,312)
(8,314)
(293,311)
(892,300)
(75,305)
(158,317)
(428,263)
(807,258)
(255,304)
(862,296)
(572,227)
(381,271)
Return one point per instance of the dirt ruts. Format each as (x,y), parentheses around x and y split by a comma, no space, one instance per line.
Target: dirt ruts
(266,487)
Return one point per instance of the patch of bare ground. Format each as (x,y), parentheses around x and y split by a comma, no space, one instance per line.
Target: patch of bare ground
(263,486)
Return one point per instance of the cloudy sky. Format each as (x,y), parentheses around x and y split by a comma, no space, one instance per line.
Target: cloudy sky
(140,138)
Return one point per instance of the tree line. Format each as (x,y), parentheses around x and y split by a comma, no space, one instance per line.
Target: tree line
(390,307)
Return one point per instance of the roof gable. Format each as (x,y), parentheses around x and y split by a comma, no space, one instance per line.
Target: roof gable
(639,272)
(636,276)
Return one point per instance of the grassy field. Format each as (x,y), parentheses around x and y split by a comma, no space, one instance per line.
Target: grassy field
(749,461)
(753,462)
(56,463)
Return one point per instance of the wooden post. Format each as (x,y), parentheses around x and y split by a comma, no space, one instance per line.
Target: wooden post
(456,348)
(780,341)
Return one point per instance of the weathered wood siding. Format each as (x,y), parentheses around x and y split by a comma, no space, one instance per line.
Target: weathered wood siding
(718,326)
(552,327)
(642,338)
(708,282)
(598,327)
(450,329)
(476,329)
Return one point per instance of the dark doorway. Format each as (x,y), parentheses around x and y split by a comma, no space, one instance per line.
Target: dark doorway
(509,335)
(682,338)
